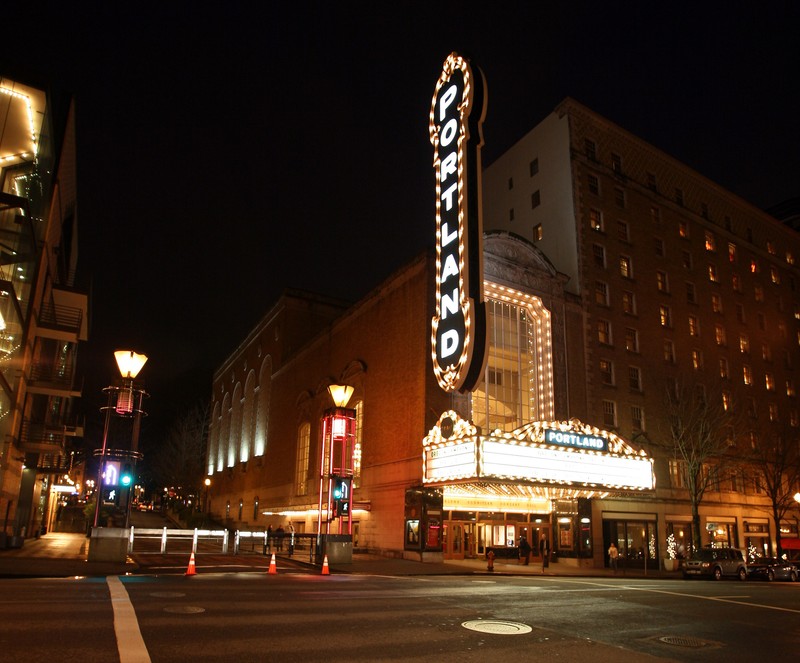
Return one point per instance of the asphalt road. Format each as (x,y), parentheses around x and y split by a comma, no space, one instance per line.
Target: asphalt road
(301,616)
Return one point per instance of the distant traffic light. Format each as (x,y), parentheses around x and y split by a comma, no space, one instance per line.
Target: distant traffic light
(126,476)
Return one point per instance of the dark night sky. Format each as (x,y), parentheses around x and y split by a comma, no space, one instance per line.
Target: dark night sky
(229,152)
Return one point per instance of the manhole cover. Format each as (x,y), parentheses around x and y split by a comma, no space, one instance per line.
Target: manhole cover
(185,609)
(683,641)
(497,627)
(167,595)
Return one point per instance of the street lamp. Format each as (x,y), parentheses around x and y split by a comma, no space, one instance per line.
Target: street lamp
(207,482)
(124,400)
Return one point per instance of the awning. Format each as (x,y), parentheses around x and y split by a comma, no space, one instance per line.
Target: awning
(790,544)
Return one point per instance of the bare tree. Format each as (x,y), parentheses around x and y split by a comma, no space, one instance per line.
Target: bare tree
(180,460)
(700,435)
(775,463)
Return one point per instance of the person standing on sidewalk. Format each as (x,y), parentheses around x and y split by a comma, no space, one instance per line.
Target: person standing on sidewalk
(544,549)
(524,550)
(613,556)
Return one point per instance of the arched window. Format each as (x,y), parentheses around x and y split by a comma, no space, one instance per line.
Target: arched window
(517,385)
(303,446)
(262,408)
(248,417)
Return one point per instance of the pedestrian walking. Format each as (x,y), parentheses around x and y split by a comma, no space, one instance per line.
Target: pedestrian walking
(524,550)
(613,556)
(544,549)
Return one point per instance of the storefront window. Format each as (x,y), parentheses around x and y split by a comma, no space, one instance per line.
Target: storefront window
(682,534)
(636,541)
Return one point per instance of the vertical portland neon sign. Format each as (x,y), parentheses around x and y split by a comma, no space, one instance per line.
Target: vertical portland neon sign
(458,327)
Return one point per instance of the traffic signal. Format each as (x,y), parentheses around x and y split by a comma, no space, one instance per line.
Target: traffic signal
(341,496)
(126,476)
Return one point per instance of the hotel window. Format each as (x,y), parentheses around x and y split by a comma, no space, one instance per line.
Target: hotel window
(686,259)
(596,220)
(766,352)
(658,247)
(533,167)
(590,147)
(679,196)
(604,332)
(538,232)
(301,466)
(677,473)
(775,275)
(758,291)
(626,267)
(744,343)
(637,417)
(655,216)
(755,267)
(716,303)
(536,199)
(694,325)
(662,282)
(719,334)
(517,383)
(599,255)
(616,164)
(790,390)
(723,368)
(607,371)
(623,231)
(631,340)
(752,412)
(712,274)
(635,378)
(711,243)
(594,185)
(727,402)
(747,375)
(619,197)
(731,252)
(629,302)
(769,382)
(736,283)
(773,411)
(740,315)
(601,293)
(669,351)
(651,182)
(510,183)
(771,248)
(691,293)
(665,315)
(683,229)
(789,258)
(697,359)
(609,413)
(794,418)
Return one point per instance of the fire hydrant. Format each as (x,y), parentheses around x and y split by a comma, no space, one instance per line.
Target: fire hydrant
(490,560)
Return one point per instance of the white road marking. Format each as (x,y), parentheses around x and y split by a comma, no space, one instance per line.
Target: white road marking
(130,643)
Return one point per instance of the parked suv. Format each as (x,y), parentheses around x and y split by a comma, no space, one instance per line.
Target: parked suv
(716,563)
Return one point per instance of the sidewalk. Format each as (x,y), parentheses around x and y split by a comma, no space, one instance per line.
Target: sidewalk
(58,555)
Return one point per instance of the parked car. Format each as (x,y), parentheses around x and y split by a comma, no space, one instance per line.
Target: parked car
(716,563)
(771,568)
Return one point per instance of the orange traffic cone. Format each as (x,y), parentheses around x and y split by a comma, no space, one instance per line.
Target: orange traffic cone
(273,568)
(325,569)
(191,570)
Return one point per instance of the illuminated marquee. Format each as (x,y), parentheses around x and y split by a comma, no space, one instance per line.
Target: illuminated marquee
(546,453)
(458,327)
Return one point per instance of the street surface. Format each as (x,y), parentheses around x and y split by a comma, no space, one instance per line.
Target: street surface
(298,614)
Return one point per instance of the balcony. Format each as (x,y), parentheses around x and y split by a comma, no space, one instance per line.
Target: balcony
(48,380)
(64,318)
(41,438)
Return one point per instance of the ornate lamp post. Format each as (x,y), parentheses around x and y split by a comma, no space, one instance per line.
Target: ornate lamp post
(123,400)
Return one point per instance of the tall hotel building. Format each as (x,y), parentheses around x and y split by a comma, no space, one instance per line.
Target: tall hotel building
(43,317)
(613,274)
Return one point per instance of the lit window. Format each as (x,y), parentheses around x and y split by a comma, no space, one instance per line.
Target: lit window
(631,340)
(683,229)
(775,275)
(723,368)
(538,232)
(716,303)
(629,302)
(790,390)
(790,258)
(736,283)
(769,381)
(731,252)
(626,267)
(662,282)
(726,401)
(601,293)
(771,248)
(665,315)
(604,332)
(712,274)
(711,243)
(773,411)
(697,359)
(301,467)
(694,325)
(719,334)
(596,220)
(754,266)
(744,343)
(747,375)
(766,352)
